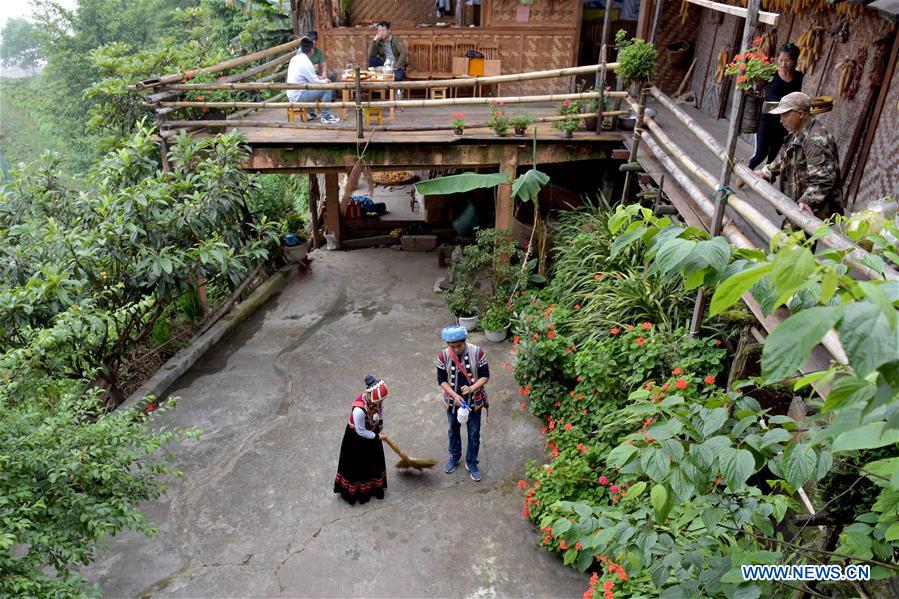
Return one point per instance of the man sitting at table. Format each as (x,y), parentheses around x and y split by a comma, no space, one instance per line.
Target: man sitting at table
(318,58)
(386,49)
(300,70)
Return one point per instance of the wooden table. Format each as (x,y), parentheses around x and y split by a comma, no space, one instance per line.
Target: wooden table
(374,77)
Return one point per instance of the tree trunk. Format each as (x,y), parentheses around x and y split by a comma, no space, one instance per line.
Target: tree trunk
(302,16)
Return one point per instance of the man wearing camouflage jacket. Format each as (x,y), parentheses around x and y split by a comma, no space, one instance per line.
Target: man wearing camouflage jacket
(808,163)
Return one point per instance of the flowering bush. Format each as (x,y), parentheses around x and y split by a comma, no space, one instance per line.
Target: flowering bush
(499,121)
(569,110)
(751,68)
(459,121)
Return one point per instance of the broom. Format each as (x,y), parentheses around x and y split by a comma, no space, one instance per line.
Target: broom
(405,461)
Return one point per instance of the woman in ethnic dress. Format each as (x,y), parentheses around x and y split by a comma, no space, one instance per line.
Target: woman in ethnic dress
(361,471)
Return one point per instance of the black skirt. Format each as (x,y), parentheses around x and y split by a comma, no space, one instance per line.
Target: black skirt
(361,471)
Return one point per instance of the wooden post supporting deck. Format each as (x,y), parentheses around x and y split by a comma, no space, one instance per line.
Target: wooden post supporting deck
(504,203)
(332,205)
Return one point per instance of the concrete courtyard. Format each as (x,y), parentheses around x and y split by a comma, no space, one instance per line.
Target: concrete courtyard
(255,515)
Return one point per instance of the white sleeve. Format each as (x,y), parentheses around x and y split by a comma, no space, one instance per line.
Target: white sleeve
(359,421)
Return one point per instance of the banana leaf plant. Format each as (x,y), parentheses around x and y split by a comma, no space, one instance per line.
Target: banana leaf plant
(526,188)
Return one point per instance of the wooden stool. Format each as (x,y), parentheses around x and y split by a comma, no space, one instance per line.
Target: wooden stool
(376,114)
(438,93)
(303,113)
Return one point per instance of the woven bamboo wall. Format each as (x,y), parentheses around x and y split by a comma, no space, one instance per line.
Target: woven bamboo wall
(400,13)
(545,13)
(881,174)
(671,29)
(526,50)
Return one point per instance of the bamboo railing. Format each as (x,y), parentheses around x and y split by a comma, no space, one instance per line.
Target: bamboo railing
(808,222)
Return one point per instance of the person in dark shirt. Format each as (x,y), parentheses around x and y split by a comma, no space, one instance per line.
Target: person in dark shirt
(770,136)
(462,373)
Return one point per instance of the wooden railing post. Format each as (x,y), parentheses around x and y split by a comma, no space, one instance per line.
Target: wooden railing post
(727,167)
(635,144)
(359,133)
(601,75)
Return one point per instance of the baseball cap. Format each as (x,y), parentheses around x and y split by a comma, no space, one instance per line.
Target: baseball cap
(313,35)
(794,101)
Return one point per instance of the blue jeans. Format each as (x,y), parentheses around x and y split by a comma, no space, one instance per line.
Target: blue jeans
(314,95)
(455,437)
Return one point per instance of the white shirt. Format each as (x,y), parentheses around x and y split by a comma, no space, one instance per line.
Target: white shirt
(300,70)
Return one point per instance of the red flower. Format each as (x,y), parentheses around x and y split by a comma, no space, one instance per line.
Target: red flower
(563,544)
(558,404)
(524,406)
(523,292)
(567,426)
(577,306)
(549,469)
(597,277)
(551,335)
(580,379)
(650,439)
(567,350)
(607,588)
(615,488)
(681,384)
(709,380)
(578,546)
(555,452)
(677,371)
(603,480)
(150,408)
(566,103)
(628,328)
(717,341)
(522,484)
(458,115)
(615,330)
(646,325)
(640,341)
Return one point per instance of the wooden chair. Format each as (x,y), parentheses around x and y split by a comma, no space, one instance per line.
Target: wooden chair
(303,113)
(373,114)
(490,50)
(460,49)
(419,68)
(441,66)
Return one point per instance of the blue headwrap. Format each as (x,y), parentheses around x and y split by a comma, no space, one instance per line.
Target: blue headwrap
(454,333)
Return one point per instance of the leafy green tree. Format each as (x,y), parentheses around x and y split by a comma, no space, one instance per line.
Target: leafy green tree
(21,46)
(122,252)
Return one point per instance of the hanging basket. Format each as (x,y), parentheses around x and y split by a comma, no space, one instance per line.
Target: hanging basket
(752,110)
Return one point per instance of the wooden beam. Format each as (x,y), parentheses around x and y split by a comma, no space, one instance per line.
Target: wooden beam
(332,205)
(769,18)
(314,223)
(319,158)
(505,205)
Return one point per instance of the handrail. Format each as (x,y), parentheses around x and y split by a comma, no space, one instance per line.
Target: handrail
(396,103)
(809,223)
(342,85)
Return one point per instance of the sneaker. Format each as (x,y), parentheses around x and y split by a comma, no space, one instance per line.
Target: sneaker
(450,466)
(312,116)
(474,472)
(330,119)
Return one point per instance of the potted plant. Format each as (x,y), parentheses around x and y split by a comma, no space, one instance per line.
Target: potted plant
(461,301)
(636,59)
(343,19)
(458,123)
(496,320)
(567,125)
(520,122)
(499,121)
(753,71)
(295,245)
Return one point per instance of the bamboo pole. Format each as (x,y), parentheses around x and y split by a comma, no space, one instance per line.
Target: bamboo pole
(635,144)
(656,21)
(830,341)
(216,68)
(808,222)
(727,167)
(172,126)
(740,206)
(358,107)
(390,103)
(769,18)
(603,57)
(341,85)
(733,234)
